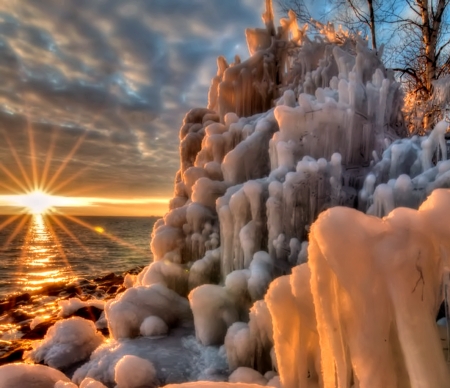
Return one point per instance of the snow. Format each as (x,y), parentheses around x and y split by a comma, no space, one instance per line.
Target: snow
(67,342)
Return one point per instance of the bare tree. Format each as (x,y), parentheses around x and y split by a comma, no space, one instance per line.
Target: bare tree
(356,15)
(298,6)
(417,36)
(359,15)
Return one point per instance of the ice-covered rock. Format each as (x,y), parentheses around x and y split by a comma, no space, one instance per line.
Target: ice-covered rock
(30,376)
(176,358)
(247,375)
(126,314)
(134,372)
(67,342)
(153,326)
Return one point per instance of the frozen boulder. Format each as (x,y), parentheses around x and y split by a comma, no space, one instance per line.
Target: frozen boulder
(135,372)
(126,314)
(67,342)
(30,376)
(153,326)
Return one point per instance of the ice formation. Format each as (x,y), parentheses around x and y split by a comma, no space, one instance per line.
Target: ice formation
(307,233)
(126,314)
(25,375)
(67,342)
(254,179)
(134,372)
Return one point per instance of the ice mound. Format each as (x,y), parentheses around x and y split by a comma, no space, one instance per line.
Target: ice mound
(67,342)
(134,372)
(126,314)
(29,376)
(176,358)
(247,375)
(153,326)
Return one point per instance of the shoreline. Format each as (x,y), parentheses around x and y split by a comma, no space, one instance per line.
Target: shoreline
(18,311)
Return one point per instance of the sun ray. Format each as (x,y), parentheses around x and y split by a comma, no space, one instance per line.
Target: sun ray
(69,233)
(58,243)
(32,152)
(13,177)
(16,231)
(48,160)
(24,249)
(103,233)
(65,161)
(84,189)
(9,220)
(18,161)
(68,180)
(10,188)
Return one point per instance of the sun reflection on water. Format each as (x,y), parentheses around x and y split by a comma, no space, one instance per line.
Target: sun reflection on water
(41,256)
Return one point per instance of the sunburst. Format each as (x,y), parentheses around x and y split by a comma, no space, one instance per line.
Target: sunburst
(34,194)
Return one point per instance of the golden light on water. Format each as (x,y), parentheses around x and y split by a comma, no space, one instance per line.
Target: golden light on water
(39,255)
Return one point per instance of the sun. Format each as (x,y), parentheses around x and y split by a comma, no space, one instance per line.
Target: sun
(36,202)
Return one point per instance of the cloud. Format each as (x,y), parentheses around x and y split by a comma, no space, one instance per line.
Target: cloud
(121,74)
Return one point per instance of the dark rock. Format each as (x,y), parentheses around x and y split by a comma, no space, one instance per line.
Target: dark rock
(13,301)
(40,330)
(113,289)
(104,331)
(110,276)
(12,356)
(53,289)
(108,281)
(91,313)
(133,271)
(102,288)
(13,351)
(19,315)
(120,290)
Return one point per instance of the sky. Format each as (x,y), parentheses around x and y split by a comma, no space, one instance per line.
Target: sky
(94,92)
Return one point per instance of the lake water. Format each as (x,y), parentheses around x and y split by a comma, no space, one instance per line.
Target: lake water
(38,250)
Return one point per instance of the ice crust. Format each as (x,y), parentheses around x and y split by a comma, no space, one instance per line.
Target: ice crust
(307,234)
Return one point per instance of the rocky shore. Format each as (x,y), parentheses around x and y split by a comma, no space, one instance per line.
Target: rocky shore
(17,312)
